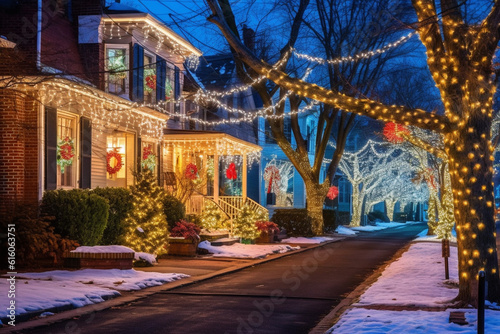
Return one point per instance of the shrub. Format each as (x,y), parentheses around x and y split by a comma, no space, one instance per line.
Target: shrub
(373,216)
(120,204)
(186,230)
(212,218)
(79,214)
(244,224)
(36,241)
(296,222)
(174,210)
(330,220)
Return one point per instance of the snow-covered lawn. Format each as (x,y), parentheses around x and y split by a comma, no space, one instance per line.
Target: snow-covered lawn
(341,229)
(245,251)
(378,226)
(60,288)
(303,240)
(415,279)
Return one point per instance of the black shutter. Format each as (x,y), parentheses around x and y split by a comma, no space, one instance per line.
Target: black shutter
(50,148)
(177,89)
(85,152)
(139,154)
(138,73)
(161,77)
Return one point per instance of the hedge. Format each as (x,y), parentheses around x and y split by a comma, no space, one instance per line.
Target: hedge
(79,214)
(174,209)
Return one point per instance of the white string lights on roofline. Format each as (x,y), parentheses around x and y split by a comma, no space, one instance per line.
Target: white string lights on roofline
(356,57)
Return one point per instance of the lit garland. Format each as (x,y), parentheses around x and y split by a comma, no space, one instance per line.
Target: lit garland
(356,57)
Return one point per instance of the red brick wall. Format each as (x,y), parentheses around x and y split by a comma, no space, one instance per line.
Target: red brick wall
(18,151)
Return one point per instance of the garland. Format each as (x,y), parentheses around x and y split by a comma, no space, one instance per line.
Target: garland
(148,158)
(65,153)
(191,172)
(118,165)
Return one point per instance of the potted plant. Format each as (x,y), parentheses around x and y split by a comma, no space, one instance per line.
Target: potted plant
(184,239)
(267,231)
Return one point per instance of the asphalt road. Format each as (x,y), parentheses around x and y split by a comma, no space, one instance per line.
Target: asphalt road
(288,295)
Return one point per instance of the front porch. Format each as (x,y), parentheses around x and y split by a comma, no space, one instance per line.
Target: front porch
(217,165)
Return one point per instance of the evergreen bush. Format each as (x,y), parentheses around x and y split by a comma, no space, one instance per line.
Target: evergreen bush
(120,204)
(244,225)
(296,222)
(174,210)
(212,218)
(79,214)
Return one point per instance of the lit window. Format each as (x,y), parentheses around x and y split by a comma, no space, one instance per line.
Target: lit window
(117,70)
(149,79)
(66,151)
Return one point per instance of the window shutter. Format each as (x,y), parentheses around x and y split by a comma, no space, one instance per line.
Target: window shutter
(85,152)
(50,148)
(161,77)
(177,79)
(138,73)
(139,154)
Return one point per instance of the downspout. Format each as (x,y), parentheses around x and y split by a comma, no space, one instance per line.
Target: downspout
(39,36)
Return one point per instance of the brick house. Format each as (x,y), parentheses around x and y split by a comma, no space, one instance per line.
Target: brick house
(83,88)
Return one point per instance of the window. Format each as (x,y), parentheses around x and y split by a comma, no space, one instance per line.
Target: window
(344,192)
(117,69)
(148,157)
(149,79)
(116,158)
(66,151)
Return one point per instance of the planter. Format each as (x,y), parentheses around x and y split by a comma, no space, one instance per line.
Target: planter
(265,238)
(83,260)
(182,247)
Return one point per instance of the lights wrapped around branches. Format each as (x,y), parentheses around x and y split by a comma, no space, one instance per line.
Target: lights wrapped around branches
(395,133)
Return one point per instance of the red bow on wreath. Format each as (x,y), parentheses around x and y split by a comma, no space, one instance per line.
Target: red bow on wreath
(231,172)
(333,192)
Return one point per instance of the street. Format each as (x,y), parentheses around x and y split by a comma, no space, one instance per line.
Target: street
(288,295)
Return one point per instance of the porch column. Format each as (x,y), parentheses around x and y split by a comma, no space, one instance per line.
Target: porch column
(216,177)
(244,178)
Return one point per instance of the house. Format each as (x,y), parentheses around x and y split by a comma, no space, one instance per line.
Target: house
(86,98)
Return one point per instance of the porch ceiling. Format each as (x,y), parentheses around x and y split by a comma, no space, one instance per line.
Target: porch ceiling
(210,142)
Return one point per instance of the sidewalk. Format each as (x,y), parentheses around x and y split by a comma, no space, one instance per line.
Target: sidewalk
(199,268)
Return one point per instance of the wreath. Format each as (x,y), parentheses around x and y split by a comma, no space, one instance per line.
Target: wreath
(149,80)
(191,172)
(65,153)
(231,172)
(118,165)
(148,158)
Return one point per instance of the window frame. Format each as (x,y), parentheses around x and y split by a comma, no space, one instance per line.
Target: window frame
(126,47)
(76,143)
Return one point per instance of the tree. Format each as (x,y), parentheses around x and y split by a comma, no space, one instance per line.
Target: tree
(459,57)
(146,227)
(354,77)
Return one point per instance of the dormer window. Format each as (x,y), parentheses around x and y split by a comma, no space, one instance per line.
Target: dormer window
(117,70)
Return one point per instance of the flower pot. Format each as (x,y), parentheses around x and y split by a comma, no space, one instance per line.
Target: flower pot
(182,247)
(265,238)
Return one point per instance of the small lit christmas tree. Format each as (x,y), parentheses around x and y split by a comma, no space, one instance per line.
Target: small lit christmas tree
(244,224)
(146,225)
(212,218)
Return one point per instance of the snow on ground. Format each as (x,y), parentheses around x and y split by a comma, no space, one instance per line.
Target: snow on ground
(103,249)
(422,236)
(303,240)
(341,229)
(417,278)
(63,288)
(422,269)
(126,280)
(377,227)
(245,251)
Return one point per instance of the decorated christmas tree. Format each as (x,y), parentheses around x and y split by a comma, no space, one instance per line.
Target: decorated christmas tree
(212,218)
(146,225)
(244,224)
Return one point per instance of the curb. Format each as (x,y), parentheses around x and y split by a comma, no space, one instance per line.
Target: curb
(331,318)
(140,294)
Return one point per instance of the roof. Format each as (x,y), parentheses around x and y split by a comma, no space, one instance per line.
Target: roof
(216,72)
(118,8)
(211,141)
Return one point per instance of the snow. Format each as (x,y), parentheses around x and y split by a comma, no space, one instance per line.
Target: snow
(344,230)
(245,251)
(303,240)
(422,236)
(103,249)
(151,258)
(416,279)
(377,227)
(63,288)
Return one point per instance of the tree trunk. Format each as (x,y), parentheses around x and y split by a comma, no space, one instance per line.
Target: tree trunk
(389,204)
(357,206)
(315,195)
(432,221)
(471,172)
